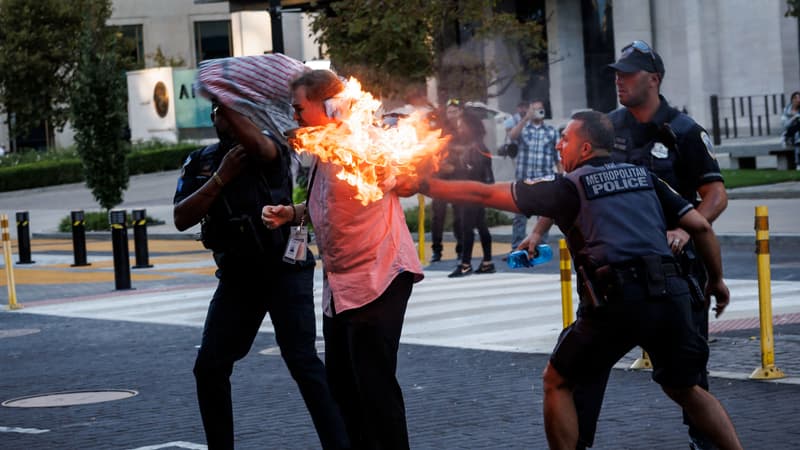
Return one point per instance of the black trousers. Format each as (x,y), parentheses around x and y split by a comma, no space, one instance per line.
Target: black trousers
(361,359)
(242,299)
(439,211)
(474,217)
(588,396)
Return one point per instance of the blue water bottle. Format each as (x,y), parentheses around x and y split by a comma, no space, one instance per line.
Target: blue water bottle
(520,258)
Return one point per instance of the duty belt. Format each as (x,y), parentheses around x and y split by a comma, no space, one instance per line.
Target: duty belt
(634,271)
(607,282)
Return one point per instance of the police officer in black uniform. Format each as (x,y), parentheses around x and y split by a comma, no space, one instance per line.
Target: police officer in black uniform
(224,186)
(615,217)
(651,133)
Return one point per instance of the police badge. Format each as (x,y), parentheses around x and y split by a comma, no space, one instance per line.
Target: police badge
(659,150)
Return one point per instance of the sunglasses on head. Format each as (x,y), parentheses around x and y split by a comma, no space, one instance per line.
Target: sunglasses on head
(641,47)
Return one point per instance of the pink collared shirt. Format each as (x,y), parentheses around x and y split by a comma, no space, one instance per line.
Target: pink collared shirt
(363,247)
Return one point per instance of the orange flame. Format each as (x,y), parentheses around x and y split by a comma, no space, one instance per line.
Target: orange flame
(367,151)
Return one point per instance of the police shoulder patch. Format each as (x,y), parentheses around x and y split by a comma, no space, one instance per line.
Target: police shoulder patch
(539,180)
(708,143)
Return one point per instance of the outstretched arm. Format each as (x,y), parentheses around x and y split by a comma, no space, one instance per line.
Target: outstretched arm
(247,133)
(492,195)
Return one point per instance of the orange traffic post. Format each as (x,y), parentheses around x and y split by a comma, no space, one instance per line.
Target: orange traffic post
(767,369)
(12,288)
(421,229)
(567,314)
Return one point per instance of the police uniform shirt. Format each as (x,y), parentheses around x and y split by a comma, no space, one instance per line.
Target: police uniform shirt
(558,198)
(201,164)
(258,184)
(641,144)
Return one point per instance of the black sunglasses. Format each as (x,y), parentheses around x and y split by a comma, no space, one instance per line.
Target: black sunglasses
(641,47)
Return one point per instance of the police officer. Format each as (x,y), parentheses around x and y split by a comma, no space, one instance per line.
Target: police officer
(651,133)
(615,217)
(224,186)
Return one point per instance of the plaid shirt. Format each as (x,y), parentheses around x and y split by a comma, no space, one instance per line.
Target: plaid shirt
(537,155)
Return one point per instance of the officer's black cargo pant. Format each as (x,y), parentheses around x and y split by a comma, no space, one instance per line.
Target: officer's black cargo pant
(243,297)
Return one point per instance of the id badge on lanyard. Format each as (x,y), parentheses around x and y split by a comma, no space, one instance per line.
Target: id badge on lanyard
(296,247)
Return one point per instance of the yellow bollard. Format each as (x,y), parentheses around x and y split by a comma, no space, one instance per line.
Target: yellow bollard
(12,289)
(767,369)
(567,314)
(421,239)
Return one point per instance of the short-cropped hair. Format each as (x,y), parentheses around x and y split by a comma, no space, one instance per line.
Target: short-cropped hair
(596,128)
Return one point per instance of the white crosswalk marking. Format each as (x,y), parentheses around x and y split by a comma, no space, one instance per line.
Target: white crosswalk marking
(508,311)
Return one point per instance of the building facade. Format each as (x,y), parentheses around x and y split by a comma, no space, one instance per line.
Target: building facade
(742,51)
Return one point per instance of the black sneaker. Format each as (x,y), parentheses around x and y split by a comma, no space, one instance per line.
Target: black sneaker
(436,257)
(461,271)
(486,268)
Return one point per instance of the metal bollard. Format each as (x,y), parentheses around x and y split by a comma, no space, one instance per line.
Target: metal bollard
(24,238)
(421,225)
(567,314)
(12,287)
(119,246)
(78,238)
(767,369)
(139,217)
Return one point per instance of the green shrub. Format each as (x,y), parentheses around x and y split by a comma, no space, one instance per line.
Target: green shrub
(39,174)
(98,221)
(32,169)
(159,159)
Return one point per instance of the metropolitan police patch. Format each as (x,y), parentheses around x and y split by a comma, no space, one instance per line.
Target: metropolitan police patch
(709,145)
(615,181)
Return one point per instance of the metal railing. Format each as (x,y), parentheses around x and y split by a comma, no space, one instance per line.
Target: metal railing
(746,116)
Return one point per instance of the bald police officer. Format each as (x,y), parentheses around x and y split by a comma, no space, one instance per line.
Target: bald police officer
(615,217)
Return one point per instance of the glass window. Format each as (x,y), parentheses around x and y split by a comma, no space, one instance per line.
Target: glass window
(132,45)
(598,51)
(212,39)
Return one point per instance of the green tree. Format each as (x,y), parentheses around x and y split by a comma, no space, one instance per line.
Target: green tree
(38,54)
(792,8)
(391,44)
(98,108)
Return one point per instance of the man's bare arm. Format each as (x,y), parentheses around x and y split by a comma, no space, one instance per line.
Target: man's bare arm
(492,195)
(247,133)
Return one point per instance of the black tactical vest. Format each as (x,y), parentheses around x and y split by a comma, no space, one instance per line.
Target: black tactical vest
(654,146)
(620,217)
(233,224)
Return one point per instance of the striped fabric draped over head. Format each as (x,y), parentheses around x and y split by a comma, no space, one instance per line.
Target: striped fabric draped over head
(255,86)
